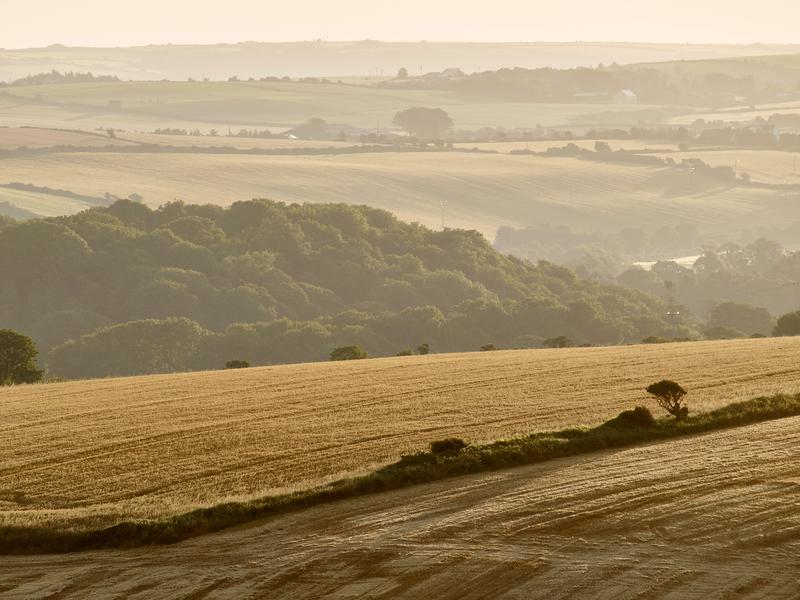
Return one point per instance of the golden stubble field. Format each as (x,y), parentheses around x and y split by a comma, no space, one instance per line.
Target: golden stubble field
(709,516)
(92,453)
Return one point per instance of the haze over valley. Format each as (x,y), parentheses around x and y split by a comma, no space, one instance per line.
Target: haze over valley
(422,301)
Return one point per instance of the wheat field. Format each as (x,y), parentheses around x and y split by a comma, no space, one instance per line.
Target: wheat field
(710,516)
(483,191)
(89,453)
(768,166)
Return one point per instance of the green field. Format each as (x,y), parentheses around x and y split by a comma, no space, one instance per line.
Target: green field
(206,105)
(785,65)
(741,113)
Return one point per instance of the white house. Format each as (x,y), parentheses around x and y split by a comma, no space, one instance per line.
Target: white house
(625,97)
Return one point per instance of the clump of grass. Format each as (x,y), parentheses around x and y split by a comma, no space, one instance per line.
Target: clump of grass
(447,458)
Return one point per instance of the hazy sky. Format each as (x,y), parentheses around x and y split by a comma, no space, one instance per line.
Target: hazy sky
(25,23)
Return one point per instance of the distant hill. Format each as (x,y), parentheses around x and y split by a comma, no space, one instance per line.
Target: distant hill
(701,83)
(347,59)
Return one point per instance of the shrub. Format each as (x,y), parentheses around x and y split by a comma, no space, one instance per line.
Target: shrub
(558,342)
(669,396)
(237,364)
(654,339)
(405,353)
(638,418)
(348,353)
(720,332)
(448,446)
(488,348)
(423,349)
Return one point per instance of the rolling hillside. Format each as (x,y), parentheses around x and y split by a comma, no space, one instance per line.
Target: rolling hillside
(146,105)
(483,191)
(712,516)
(88,454)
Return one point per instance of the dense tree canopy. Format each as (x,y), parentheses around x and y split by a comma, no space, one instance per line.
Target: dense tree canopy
(744,317)
(742,286)
(17,359)
(788,324)
(186,287)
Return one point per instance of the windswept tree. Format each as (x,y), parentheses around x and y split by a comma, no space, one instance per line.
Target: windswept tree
(17,359)
(669,396)
(424,123)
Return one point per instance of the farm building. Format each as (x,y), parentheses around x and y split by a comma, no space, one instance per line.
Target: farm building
(625,97)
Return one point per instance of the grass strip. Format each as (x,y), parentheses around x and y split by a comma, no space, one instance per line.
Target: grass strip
(422,467)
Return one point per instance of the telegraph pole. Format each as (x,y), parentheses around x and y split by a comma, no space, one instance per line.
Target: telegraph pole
(673,314)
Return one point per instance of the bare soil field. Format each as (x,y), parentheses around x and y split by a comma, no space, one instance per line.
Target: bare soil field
(87,454)
(712,516)
(483,191)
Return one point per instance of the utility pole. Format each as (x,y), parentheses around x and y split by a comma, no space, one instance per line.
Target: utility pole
(673,314)
(443,203)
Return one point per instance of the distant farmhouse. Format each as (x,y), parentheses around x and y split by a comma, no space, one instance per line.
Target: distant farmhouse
(625,97)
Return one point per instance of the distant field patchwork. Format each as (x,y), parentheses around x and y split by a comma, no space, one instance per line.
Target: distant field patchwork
(280,105)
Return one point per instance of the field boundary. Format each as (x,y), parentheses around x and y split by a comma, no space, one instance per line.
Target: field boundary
(419,468)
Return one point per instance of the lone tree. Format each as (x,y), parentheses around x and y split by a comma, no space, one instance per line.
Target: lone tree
(424,123)
(17,354)
(669,396)
(348,353)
